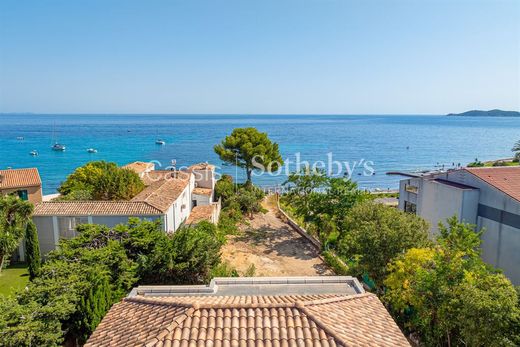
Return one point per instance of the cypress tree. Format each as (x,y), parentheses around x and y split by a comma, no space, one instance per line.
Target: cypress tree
(32,250)
(93,305)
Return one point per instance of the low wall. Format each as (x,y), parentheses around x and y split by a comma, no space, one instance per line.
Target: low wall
(305,234)
(296,227)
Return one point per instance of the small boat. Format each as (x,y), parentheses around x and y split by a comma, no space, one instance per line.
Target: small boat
(92,150)
(58,147)
(160,142)
(34,153)
(20,138)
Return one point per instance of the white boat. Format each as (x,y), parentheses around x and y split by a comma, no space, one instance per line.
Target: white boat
(160,142)
(20,138)
(58,147)
(92,150)
(34,153)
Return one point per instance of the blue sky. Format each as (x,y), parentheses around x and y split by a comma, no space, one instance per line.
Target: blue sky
(245,56)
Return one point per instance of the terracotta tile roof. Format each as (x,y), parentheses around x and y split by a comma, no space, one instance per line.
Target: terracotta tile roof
(255,320)
(86,208)
(203,191)
(19,178)
(202,166)
(156,176)
(200,213)
(505,179)
(139,166)
(163,193)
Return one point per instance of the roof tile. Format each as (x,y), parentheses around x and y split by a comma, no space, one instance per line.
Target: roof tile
(286,320)
(505,179)
(18,178)
(87,208)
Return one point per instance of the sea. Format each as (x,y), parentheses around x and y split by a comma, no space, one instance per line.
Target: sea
(362,147)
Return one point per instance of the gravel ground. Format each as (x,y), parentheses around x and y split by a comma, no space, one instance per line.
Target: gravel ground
(273,247)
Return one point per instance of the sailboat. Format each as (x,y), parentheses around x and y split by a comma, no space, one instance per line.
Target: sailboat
(159,141)
(58,147)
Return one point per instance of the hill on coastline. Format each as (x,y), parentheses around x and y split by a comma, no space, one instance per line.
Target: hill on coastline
(490,113)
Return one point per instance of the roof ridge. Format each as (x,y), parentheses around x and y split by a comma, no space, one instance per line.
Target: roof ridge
(209,305)
(321,325)
(224,305)
(169,329)
(144,300)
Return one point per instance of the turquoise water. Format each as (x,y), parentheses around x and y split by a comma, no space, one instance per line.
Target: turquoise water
(390,142)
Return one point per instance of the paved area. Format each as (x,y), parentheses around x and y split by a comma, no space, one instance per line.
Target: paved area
(273,247)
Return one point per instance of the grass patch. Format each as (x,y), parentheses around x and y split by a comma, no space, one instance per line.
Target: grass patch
(13,278)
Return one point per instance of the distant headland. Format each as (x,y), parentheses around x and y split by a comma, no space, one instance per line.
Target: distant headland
(490,113)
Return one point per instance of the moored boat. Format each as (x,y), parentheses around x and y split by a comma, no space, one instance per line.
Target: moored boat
(58,147)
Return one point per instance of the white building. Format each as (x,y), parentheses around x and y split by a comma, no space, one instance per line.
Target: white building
(174,197)
(487,197)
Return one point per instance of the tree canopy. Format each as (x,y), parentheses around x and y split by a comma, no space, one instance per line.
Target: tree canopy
(81,280)
(322,201)
(101,180)
(250,149)
(14,215)
(375,234)
(448,295)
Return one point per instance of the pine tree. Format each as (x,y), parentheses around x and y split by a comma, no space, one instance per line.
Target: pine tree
(32,250)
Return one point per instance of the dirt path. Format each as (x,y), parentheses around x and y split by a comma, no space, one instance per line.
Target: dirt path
(273,247)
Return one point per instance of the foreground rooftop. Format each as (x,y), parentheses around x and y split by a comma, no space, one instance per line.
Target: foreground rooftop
(289,311)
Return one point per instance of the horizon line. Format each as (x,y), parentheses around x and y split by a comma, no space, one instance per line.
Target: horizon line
(219,114)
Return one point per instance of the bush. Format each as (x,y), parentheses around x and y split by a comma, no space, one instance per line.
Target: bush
(224,189)
(375,234)
(448,295)
(184,257)
(499,163)
(336,264)
(476,163)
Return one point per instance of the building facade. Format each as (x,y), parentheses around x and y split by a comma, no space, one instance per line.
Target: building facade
(168,197)
(24,183)
(486,197)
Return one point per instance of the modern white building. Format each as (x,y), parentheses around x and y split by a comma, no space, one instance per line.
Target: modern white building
(174,197)
(486,197)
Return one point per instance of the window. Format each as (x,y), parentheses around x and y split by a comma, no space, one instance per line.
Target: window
(411,189)
(410,207)
(67,226)
(22,194)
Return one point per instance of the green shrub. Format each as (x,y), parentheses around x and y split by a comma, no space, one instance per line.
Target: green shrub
(375,234)
(476,163)
(339,267)
(224,270)
(499,163)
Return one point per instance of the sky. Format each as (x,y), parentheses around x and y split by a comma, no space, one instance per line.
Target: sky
(259,57)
